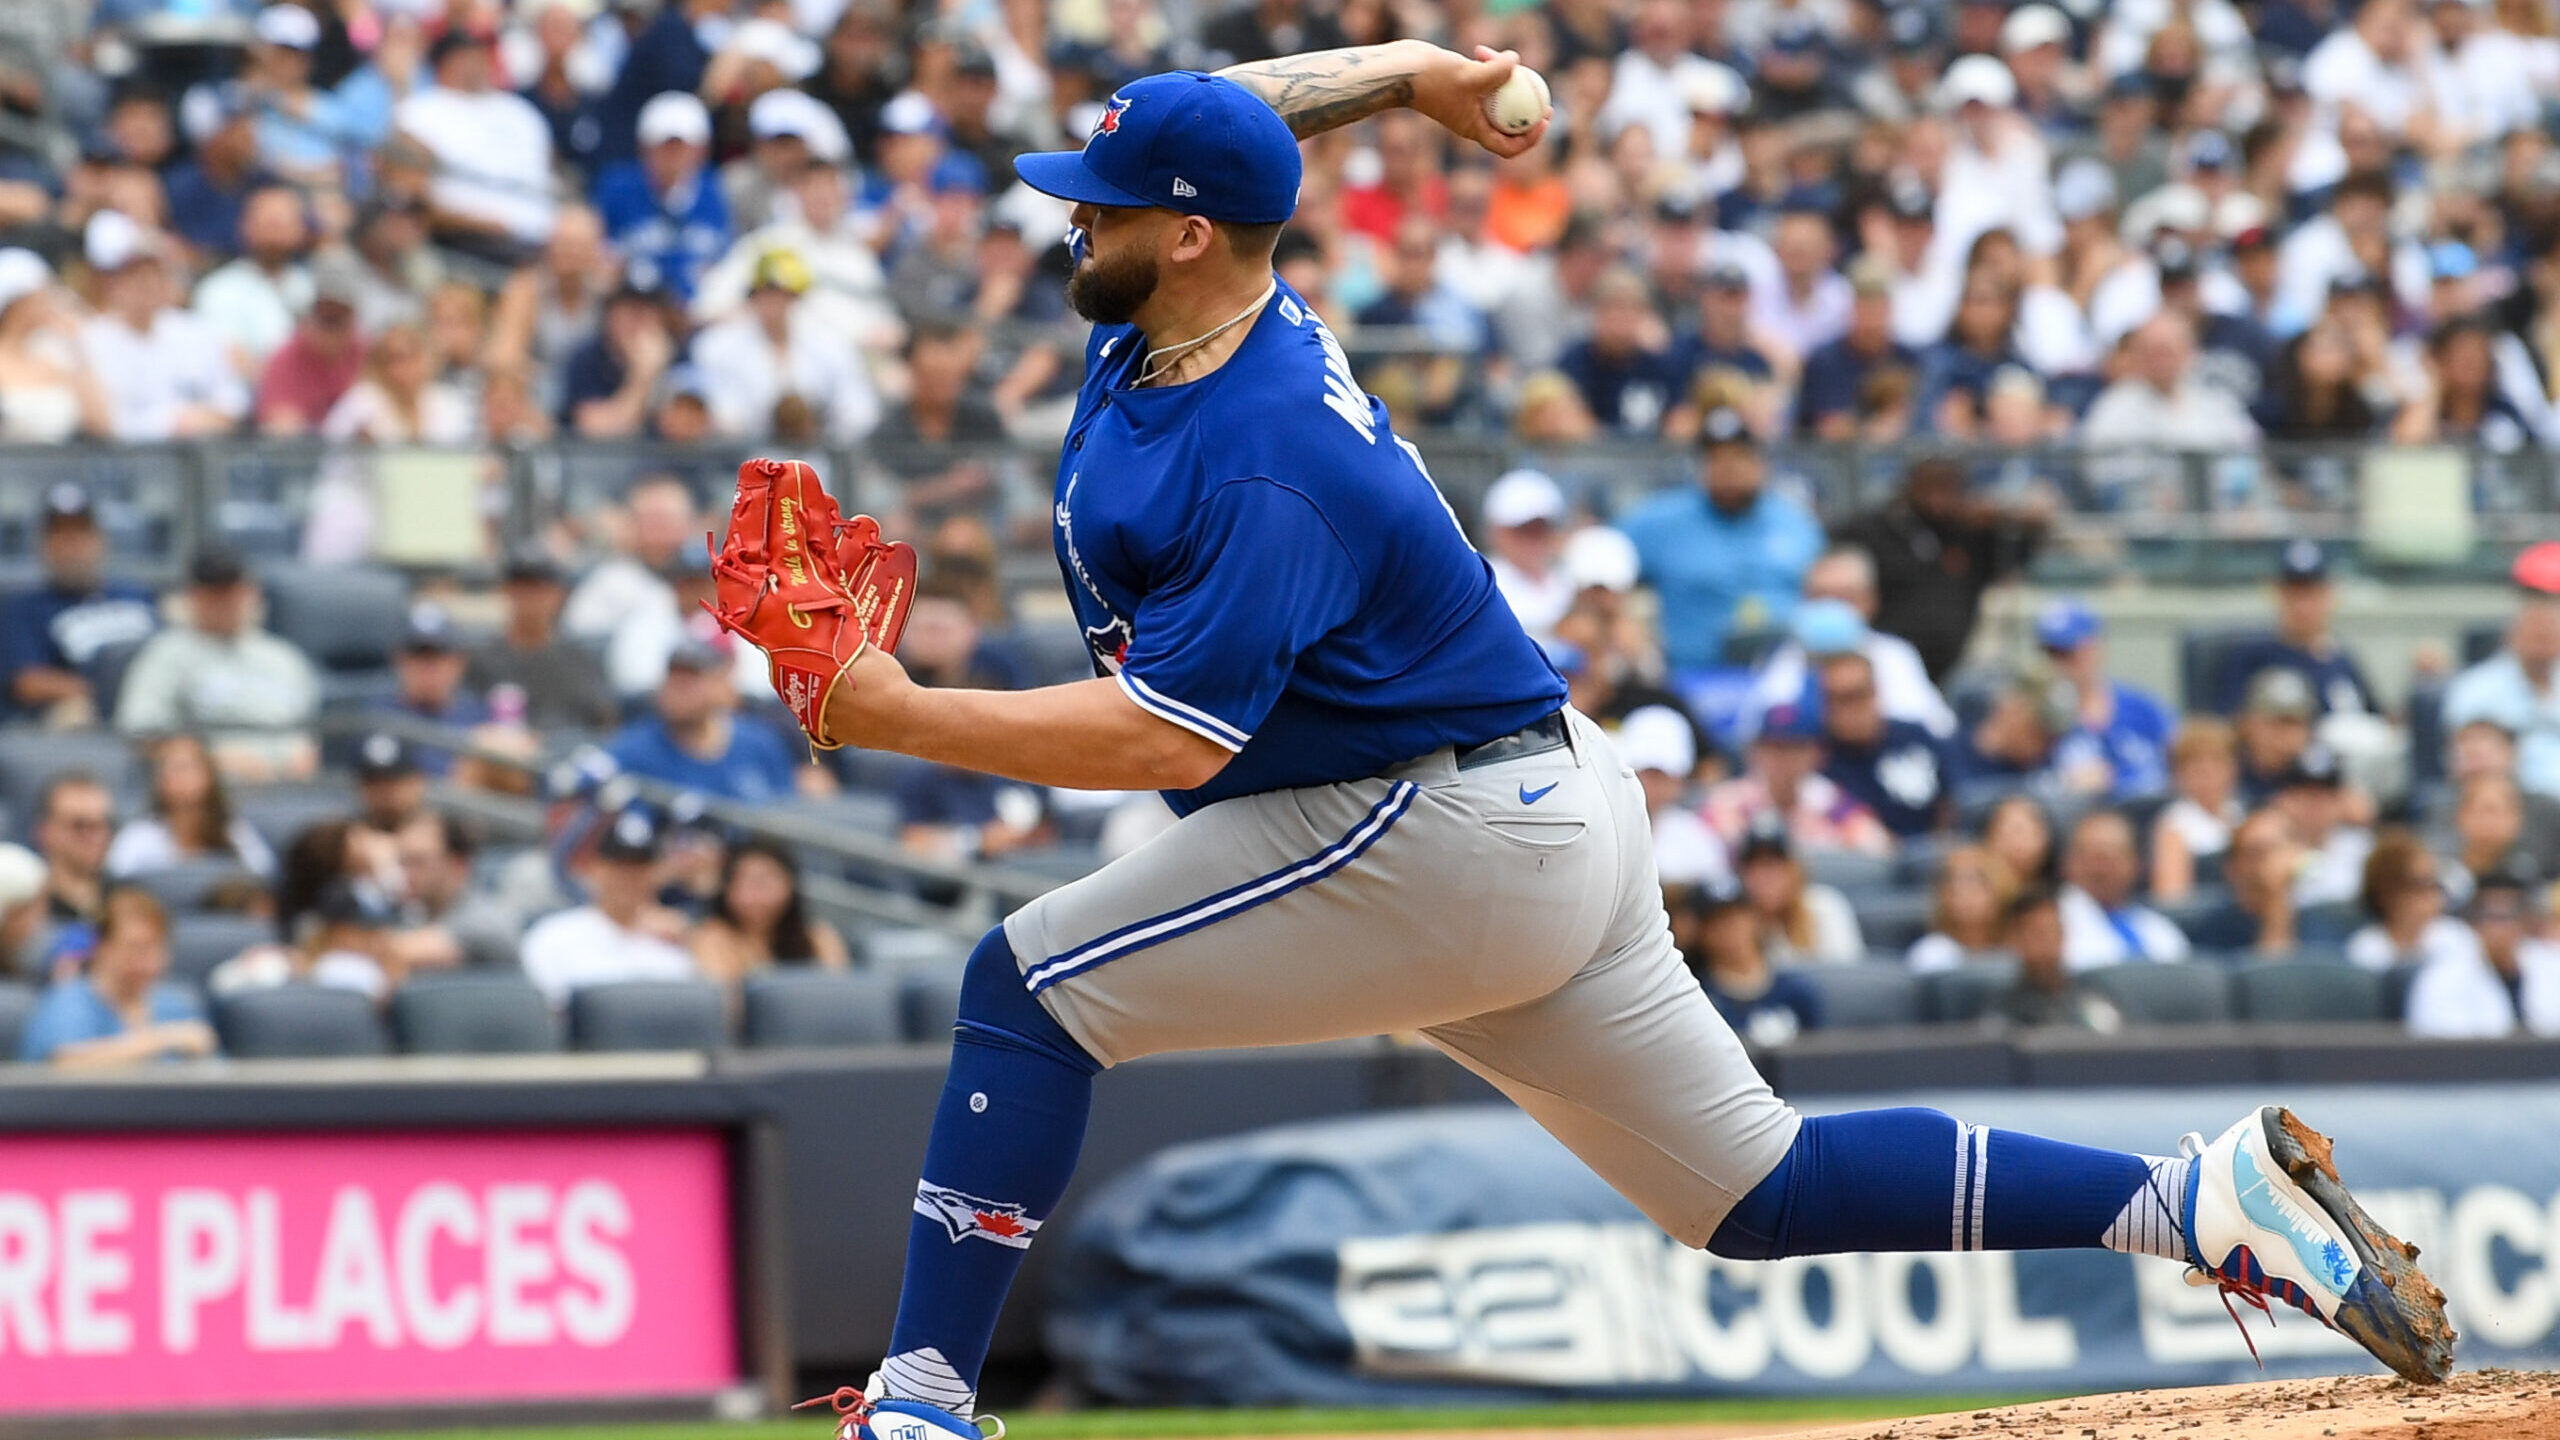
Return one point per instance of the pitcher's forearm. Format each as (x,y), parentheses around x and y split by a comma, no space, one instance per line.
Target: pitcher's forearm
(1327,89)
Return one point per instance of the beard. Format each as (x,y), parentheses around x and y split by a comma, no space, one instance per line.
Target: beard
(1109,290)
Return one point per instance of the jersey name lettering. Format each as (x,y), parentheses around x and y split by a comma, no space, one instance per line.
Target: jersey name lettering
(1341,393)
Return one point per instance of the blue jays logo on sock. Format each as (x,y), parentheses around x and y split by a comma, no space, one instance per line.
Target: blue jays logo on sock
(967,1215)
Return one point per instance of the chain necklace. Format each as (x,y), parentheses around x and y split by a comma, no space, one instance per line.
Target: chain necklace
(1159,361)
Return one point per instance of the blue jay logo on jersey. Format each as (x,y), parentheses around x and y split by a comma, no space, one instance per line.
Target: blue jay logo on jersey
(1110,640)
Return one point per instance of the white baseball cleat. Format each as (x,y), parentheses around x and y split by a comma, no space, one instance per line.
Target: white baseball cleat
(867,1415)
(2266,1216)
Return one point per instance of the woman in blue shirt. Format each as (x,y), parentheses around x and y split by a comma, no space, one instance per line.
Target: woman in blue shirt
(122,1011)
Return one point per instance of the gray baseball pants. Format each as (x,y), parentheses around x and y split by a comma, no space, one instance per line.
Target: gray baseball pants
(1508,912)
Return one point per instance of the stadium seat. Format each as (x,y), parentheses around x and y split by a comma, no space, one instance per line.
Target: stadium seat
(1966,992)
(17,1002)
(199,942)
(1864,996)
(2165,994)
(929,1005)
(1055,650)
(197,885)
(821,1007)
(648,1015)
(298,1022)
(1849,870)
(2202,649)
(29,758)
(911,950)
(1890,919)
(282,811)
(345,617)
(473,1014)
(2395,991)
(106,672)
(2306,990)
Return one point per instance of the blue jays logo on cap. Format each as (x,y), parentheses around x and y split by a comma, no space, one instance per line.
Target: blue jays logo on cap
(1184,141)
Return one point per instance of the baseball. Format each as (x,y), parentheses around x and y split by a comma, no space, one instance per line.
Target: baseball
(1520,102)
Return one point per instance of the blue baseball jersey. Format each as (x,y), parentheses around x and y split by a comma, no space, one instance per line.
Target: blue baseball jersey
(1260,560)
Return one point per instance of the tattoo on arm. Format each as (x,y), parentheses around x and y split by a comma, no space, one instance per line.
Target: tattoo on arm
(1327,89)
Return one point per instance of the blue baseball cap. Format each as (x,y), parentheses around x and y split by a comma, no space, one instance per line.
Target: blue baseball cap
(1790,721)
(1193,143)
(1829,627)
(2066,625)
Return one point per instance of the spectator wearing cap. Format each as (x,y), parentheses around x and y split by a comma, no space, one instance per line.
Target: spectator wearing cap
(2120,746)
(607,387)
(1895,768)
(694,740)
(621,933)
(2047,994)
(391,782)
(2035,43)
(219,674)
(848,290)
(1605,646)
(1524,527)
(1723,359)
(52,397)
(2509,977)
(1764,1005)
(2275,724)
(1837,618)
(1660,745)
(491,194)
(345,941)
(2515,688)
(304,133)
(53,633)
(190,818)
(323,357)
(1626,369)
(563,684)
(2402,895)
(664,209)
(121,1010)
(2161,402)
(1782,778)
(429,671)
(2312,796)
(1928,279)
(788,131)
(1801,921)
(1833,394)
(165,374)
(1726,556)
(2304,641)
(2102,922)
(916,162)
(207,190)
(1997,174)
(552,306)
(774,351)
(1936,550)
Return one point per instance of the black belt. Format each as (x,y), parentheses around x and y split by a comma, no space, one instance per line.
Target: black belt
(1535,738)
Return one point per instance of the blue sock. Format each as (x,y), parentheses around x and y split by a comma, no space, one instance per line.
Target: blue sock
(1004,1145)
(1922,1180)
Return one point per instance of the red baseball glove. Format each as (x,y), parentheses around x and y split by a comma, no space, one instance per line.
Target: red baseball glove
(808,587)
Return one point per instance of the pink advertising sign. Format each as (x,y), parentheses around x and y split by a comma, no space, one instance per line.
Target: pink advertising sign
(166,1272)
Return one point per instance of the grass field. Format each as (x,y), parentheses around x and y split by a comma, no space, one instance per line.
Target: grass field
(1176,1424)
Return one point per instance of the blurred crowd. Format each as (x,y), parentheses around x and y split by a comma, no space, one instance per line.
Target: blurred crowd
(1833,751)
(2168,223)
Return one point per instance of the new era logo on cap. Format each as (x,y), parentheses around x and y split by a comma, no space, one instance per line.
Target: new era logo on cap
(1184,189)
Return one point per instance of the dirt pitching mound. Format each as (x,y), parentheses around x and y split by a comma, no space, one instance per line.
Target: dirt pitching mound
(2479,1405)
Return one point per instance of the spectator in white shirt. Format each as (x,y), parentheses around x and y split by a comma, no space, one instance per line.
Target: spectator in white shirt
(1809,306)
(1847,575)
(2505,979)
(657,525)
(253,301)
(1659,744)
(2403,896)
(1524,520)
(2102,924)
(492,149)
(2311,794)
(848,291)
(2160,403)
(1997,174)
(2373,65)
(621,933)
(1652,81)
(250,693)
(165,373)
(776,348)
